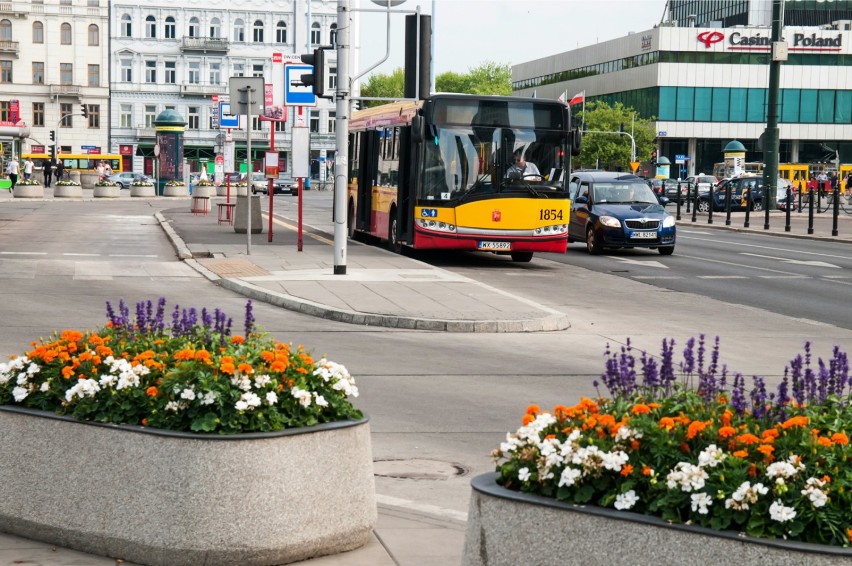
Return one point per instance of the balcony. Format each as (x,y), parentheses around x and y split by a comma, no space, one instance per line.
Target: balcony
(9,48)
(256,135)
(17,9)
(145,133)
(202,90)
(205,44)
(66,91)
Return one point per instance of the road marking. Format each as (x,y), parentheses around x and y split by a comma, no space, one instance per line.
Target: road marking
(784,277)
(132,255)
(81,255)
(296,228)
(795,261)
(730,243)
(655,277)
(644,263)
(23,253)
(722,277)
(742,265)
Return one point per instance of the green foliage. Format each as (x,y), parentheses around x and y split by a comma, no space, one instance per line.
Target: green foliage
(390,86)
(612,151)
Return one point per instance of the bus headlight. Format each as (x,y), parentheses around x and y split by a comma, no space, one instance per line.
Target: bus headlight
(434,226)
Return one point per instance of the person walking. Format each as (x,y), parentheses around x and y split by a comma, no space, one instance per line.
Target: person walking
(60,170)
(28,168)
(47,169)
(12,170)
(100,171)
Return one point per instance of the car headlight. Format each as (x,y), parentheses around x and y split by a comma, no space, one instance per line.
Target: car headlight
(610,222)
(668,222)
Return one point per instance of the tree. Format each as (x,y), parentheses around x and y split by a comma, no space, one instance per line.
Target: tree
(385,86)
(612,150)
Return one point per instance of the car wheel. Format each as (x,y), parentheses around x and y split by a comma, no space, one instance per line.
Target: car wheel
(703,205)
(757,206)
(522,257)
(592,245)
(666,250)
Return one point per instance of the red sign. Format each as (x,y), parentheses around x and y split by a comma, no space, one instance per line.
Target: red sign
(214,97)
(277,58)
(708,38)
(94,150)
(125,149)
(14,111)
(495,216)
(220,160)
(37,149)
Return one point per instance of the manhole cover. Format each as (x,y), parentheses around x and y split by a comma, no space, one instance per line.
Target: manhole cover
(417,469)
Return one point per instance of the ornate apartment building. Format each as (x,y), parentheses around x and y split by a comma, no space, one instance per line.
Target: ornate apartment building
(54,57)
(180,55)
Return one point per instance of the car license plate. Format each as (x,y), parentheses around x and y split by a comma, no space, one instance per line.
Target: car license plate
(643,235)
(494,246)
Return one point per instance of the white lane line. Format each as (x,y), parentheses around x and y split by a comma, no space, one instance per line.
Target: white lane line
(786,250)
(722,277)
(295,228)
(644,263)
(744,266)
(23,253)
(81,255)
(132,255)
(654,277)
(794,261)
(784,277)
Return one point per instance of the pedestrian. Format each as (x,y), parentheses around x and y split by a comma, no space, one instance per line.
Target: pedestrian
(28,168)
(848,183)
(12,170)
(47,169)
(100,171)
(107,170)
(60,170)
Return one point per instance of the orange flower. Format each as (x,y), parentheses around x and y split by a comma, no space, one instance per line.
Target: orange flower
(824,441)
(144,422)
(849,534)
(741,454)
(647,470)
(203,356)
(227,367)
(527,419)
(71,335)
(634,445)
(769,435)
(826,479)
(794,421)
(840,438)
(766,449)
(267,356)
(151,391)
(277,366)
(626,470)
(640,409)
(747,438)
(667,423)
(185,354)
(684,447)
(237,340)
(67,372)
(533,409)
(245,368)
(695,427)
(726,418)
(727,432)
(654,406)
(562,412)
(752,471)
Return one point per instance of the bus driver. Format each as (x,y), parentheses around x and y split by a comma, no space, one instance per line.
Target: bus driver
(520,167)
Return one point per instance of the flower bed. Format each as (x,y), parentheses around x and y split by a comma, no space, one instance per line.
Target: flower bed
(187,403)
(174,184)
(106,184)
(28,182)
(67,183)
(141,184)
(699,448)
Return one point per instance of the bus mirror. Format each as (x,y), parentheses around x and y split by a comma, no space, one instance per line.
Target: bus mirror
(576,138)
(417,132)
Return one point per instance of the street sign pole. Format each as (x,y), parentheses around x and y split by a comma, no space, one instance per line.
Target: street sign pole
(248,170)
(341,160)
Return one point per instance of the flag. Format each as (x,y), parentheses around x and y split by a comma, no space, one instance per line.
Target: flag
(578,98)
(563,97)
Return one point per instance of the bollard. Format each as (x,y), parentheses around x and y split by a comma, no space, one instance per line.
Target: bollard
(789,201)
(766,200)
(711,202)
(695,205)
(747,197)
(677,217)
(728,206)
(800,200)
(811,212)
(836,210)
(690,188)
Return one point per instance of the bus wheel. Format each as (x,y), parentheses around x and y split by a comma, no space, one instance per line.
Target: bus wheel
(393,235)
(522,257)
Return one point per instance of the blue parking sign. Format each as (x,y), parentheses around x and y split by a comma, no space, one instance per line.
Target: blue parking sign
(295,93)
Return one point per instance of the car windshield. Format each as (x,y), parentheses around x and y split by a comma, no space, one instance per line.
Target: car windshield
(624,193)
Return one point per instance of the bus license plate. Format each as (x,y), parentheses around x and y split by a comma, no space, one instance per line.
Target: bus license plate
(494,246)
(644,235)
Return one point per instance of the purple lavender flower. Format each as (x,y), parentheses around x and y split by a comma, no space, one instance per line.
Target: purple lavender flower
(249,319)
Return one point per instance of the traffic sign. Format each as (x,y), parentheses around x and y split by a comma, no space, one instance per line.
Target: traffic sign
(226,120)
(634,165)
(295,93)
(220,160)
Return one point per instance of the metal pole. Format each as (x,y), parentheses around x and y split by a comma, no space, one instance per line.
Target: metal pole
(248,170)
(432,52)
(772,143)
(341,160)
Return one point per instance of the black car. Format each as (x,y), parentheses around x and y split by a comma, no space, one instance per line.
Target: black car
(746,192)
(617,210)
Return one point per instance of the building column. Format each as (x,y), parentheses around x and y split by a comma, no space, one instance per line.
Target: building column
(794,151)
(691,149)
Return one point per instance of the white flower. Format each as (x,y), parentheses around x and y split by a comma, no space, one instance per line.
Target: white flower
(320,400)
(626,500)
(271,398)
(45,386)
(33,369)
(83,388)
(524,474)
(262,381)
(569,476)
(248,400)
(188,394)
(813,490)
(614,460)
(745,495)
(626,433)
(107,380)
(780,470)
(687,476)
(782,514)
(20,393)
(337,375)
(243,382)
(208,398)
(303,396)
(239,405)
(172,406)
(23,378)
(700,502)
(711,456)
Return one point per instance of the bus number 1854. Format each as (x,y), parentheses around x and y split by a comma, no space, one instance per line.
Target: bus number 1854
(549,214)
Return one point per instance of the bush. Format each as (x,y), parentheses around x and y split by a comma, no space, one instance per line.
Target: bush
(190,375)
(699,448)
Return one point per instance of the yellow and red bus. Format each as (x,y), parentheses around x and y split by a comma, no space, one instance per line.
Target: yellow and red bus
(79,161)
(438,174)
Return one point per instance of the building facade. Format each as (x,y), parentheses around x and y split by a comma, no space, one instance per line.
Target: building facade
(54,57)
(181,55)
(729,13)
(705,87)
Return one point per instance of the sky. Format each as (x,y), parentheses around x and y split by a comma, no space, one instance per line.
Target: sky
(470,32)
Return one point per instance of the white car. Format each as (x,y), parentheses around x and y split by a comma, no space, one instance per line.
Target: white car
(259,183)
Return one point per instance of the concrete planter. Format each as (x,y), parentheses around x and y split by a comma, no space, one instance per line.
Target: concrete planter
(506,527)
(175,191)
(203,191)
(88,179)
(140,191)
(163,498)
(28,191)
(67,191)
(107,191)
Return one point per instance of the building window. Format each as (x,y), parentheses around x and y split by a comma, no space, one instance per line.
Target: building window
(5,30)
(5,110)
(215,73)
(316,33)
(94,75)
(194,72)
(170,28)
(126,70)
(257,70)
(126,116)
(38,73)
(126,26)
(280,126)
(332,122)
(66,73)
(215,28)
(332,78)
(38,32)
(38,114)
(93,3)
(332,37)
(151,27)
(5,71)
(170,72)
(315,121)
(257,33)
(66,115)
(94,116)
(239,70)
(239,30)
(194,119)
(65,34)
(150,115)
(194,27)
(281,32)
(150,71)
(94,35)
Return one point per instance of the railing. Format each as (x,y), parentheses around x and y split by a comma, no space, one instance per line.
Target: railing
(65,90)
(255,135)
(204,44)
(203,90)
(146,133)
(10,47)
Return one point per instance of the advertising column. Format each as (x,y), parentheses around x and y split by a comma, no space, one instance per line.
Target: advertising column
(170,127)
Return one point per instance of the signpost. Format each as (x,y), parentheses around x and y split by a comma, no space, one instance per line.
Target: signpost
(295,93)
(245,94)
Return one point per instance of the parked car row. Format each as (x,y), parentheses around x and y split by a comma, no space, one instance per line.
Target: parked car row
(746,192)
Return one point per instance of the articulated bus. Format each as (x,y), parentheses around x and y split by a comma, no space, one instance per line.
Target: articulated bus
(79,161)
(438,174)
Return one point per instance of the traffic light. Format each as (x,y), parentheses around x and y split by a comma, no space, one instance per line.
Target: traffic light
(315,80)
(85,110)
(654,157)
(53,151)
(52,135)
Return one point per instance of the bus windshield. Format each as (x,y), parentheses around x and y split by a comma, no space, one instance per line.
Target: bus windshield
(461,162)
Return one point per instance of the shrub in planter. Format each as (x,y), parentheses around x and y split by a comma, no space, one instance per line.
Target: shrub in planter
(174,184)
(28,182)
(106,184)
(695,446)
(140,183)
(67,183)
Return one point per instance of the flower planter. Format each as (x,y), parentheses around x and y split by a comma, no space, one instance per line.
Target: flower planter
(28,191)
(165,498)
(175,191)
(88,179)
(203,190)
(107,191)
(143,191)
(67,191)
(509,527)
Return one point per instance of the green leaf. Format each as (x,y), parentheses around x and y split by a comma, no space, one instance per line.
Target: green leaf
(205,423)
(584,494)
